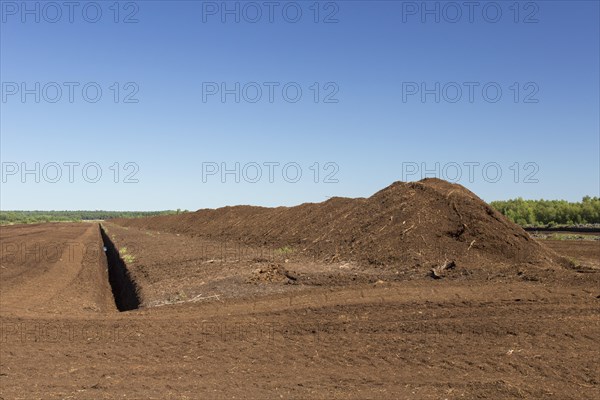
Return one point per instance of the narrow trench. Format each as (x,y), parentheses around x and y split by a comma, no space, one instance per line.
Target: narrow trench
(123,287)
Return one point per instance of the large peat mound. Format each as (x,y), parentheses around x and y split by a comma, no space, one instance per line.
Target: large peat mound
(417,224)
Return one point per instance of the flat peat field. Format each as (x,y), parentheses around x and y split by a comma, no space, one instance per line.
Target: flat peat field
(215,320)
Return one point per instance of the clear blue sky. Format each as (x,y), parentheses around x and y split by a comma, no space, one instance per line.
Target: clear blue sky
(372,61)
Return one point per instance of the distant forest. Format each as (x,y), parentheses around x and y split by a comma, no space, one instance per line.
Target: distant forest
(523,212)
(32,217)
(550,212)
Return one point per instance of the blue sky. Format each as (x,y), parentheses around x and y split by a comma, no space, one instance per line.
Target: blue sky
(366,126)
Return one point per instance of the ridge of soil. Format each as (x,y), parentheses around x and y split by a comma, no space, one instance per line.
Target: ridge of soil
(416,225)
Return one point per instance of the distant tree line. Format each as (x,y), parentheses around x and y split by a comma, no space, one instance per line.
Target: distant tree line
(31,217)
(550,212)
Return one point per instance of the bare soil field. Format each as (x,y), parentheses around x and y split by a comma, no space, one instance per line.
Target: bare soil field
(584,253)
(293,303)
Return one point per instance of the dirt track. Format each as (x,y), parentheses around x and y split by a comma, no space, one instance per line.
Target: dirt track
(52,268)
(338,331)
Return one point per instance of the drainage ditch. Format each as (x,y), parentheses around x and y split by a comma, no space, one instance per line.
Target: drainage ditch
(123,287)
